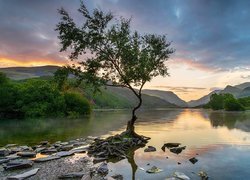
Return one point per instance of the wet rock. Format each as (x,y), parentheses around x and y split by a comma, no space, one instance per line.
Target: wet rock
(4,160)
(203,175)
(178,163)
(177,150)
(15,150)
(49,158)
(65,153)
(97,160)
(80,150)
(154,170)
(64,143)
(193,160)
(103,169)
(150,149)
(24,175)
(172,178)
(29,154)
(4,152)
(117,177)
(170,145)
(181,175)
(49,151)
(44,143)
(18,164)
(72,175)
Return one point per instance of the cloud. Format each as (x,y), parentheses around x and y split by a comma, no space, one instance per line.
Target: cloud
(207,35)
(180,89)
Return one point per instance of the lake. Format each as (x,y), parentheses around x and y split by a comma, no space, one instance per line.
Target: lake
(219,140)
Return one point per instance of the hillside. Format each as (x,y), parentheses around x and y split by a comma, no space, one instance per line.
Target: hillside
(168,96)
(18,73)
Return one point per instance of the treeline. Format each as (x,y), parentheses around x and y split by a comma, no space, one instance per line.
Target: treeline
(228,102)
(39,98)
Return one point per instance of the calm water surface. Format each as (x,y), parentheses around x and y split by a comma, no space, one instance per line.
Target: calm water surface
(219,140)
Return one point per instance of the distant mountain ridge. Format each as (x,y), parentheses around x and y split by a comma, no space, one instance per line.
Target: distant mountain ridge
(239,91)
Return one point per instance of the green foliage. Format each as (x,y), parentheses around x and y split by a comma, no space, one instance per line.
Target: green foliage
(3,78)
(76,104)
(216,101)
(224,101)
(39,98)
(245,102)
(61,76)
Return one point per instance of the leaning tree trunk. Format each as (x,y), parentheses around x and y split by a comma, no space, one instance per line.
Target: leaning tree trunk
(130,125)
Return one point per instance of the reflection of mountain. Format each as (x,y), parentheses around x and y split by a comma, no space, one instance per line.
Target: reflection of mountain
(239,91)
(232,120)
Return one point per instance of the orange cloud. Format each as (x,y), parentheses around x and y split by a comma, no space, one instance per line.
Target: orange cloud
(6,62)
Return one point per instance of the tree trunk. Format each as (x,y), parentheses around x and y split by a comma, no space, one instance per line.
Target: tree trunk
(130,125)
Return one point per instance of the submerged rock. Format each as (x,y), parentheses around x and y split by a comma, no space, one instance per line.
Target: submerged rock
(193,160)
(72,175)
(117,177)
(181,176)
(150,149)
(177,150)
(203,175)
(103,169)
(18,164)
(154,170)
(24,175)
(170,145)
(29,154)
(49,158)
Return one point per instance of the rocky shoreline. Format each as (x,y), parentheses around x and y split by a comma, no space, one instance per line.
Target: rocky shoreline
(60,160)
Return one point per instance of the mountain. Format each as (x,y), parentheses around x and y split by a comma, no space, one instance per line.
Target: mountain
(148,100)
(203,100)
(240,90)
(168,96)
(18,73)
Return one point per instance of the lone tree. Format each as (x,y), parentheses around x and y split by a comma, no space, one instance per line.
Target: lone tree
(112,54)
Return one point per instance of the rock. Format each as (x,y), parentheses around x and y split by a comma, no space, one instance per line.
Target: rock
(103,169)
(181,176)
(4,160)
(72,175)
(117,177)
(154,170)
(65,153)
(203,175)
(97,160)
(177,150)
(169,145)
(15,150)
(18,164)
(13,156)
(172,178)
(49,158)
(86,177)
(29,154)
(25,148)
(178,163)
(150,149)
(4,152)
(39,149)
(80,149)
(44,143)
(193,160)
(49,151)
(66,147)
(10,145)
(24,175)
(64,143)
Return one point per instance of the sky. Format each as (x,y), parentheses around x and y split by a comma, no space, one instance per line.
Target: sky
(211,37)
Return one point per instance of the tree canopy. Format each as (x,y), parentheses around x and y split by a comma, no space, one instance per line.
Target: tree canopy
(107,52)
